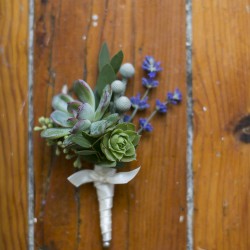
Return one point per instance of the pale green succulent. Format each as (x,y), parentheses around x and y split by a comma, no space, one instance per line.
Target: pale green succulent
(73,116)
(119,144)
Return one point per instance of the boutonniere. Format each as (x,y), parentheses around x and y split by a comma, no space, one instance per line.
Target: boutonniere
(93,125)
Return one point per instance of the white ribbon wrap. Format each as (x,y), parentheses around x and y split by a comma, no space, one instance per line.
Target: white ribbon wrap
(104,179)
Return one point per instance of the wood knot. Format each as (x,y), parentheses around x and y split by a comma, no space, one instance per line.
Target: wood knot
(242,129)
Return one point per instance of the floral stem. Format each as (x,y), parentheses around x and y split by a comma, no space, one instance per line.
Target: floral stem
(145,94)
(133,114)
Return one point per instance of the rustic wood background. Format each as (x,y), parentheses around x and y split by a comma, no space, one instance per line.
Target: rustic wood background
(150,212)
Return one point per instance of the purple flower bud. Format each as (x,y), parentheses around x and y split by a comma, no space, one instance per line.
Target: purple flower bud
(151,66)
(149,83)
(161,107)
(138,103)
(145,125)
(126,118)
(175,97)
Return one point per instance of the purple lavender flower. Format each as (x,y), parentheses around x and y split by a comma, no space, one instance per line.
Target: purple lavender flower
(126,118)
(175,97)
(150,65)
(145,125)
(149,83)
(161,107)
(138,103)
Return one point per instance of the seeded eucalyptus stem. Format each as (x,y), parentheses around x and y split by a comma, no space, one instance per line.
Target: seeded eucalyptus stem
(136,109)
(125,81)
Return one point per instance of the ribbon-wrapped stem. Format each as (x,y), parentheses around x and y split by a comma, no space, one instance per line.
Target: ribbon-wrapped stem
(104,179)
(105,194)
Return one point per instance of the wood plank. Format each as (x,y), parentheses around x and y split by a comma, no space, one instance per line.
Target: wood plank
(13,124)
(221,98)
(147,211)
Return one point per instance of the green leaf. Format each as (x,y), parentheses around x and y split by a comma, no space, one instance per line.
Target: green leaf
(67,142)
(104,102)
(106,76)
(84,92)
(81,141)
(61,118)
(86,152)
(104,57)
(116,61)
(60,102)
(55,133)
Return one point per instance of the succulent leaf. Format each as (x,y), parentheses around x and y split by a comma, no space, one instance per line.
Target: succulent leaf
(81,125)
(112,119)
(85,111)
(104,102)
(60,102)
(98,128)
(62,119)
(55,133)
(84,92)
(73,107)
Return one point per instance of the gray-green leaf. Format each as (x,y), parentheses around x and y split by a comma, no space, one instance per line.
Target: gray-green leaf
(104,57)
(55,133)
(81,141)
(116,61)
(86,152)
(106,76)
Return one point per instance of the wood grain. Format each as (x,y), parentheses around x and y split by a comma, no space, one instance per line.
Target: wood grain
(13,124)
(221,73)
(147,212)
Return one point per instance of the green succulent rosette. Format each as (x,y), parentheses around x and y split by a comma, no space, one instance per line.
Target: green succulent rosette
(119,144)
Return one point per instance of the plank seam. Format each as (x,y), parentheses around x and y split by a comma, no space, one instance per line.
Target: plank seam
(30,127)
(190,187)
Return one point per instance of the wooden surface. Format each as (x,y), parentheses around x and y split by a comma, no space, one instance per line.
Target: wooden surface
(149,212)
(13,124)
(221,71)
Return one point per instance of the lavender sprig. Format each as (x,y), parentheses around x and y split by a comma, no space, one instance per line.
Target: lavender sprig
(173,98)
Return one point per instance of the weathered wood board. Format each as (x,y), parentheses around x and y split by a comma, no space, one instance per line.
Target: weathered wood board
(221,77)
(13,124)
(149,212)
